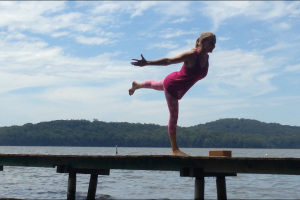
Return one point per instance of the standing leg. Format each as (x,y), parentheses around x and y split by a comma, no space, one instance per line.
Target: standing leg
(173,108)
(172,126)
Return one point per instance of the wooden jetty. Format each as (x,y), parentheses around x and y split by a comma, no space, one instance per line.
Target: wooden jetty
(192,166)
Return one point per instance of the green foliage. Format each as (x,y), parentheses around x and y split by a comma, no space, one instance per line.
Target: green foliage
(223,133)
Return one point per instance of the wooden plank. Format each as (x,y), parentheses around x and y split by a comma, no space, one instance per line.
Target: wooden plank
(159,162)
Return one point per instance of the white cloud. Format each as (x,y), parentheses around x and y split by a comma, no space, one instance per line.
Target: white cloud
(142,6)
(11,82)
(12,36)
(246,72)
(180,20)
(253,41)
(180,8)
(135,8)
(93,40)
(208,108)
(67,87)
(223,38)
(220,11)
(294,9)
(33,16)
(59,34)
(292,68)
(280,46)
(167,45)
(190,44)
(107,7)
(36,64)
(146,34)
(71,20)
(48,18)
(284,25)
(170,33)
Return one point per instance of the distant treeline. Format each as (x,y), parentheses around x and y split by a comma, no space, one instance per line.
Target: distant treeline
(223,133)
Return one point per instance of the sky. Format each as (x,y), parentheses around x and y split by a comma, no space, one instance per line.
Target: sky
(69,60)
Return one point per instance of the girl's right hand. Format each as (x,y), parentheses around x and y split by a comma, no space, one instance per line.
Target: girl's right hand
(140,63)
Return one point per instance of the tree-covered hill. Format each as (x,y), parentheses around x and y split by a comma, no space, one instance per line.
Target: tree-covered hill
(248,126)
(83,133)
(223,133)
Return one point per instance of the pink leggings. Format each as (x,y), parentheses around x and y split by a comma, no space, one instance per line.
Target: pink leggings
(172,104)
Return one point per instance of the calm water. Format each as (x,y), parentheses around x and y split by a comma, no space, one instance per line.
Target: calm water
(45,183)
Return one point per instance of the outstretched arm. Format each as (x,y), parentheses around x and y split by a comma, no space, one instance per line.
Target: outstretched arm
(184,57)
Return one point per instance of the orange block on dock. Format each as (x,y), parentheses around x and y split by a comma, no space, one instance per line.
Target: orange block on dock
(220,153)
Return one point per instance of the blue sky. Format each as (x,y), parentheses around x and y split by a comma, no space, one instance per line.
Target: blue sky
(71,60)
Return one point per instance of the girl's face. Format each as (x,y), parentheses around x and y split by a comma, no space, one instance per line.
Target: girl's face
(209,44)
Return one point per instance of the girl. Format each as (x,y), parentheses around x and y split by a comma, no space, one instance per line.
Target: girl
(176,84)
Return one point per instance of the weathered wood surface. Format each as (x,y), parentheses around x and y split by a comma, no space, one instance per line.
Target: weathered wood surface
(159,162)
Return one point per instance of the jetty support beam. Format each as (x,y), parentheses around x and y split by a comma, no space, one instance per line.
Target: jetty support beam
(199,174)
(71,186)
(92,187)
(221,188)
(199,188)
(199,180)
(72,179)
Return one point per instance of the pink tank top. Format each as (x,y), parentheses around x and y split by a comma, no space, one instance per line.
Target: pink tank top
(178,83)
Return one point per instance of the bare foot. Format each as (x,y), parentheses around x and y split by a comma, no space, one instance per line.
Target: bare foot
(178,153)
(135,86)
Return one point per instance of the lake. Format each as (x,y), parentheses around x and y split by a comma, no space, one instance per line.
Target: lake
(45,183)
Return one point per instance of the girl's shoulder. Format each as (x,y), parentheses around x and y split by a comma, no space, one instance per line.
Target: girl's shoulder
(191,52)
(189,55)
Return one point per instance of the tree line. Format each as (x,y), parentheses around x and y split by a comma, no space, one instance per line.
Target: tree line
(223,133)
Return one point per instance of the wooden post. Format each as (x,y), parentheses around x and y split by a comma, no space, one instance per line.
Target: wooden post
(221,188)
(199,188)
(92,187)
(71,186)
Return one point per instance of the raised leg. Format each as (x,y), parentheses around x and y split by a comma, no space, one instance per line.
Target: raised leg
(134,87)
(156,85)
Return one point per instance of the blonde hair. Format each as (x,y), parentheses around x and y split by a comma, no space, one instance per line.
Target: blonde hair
(203,36)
